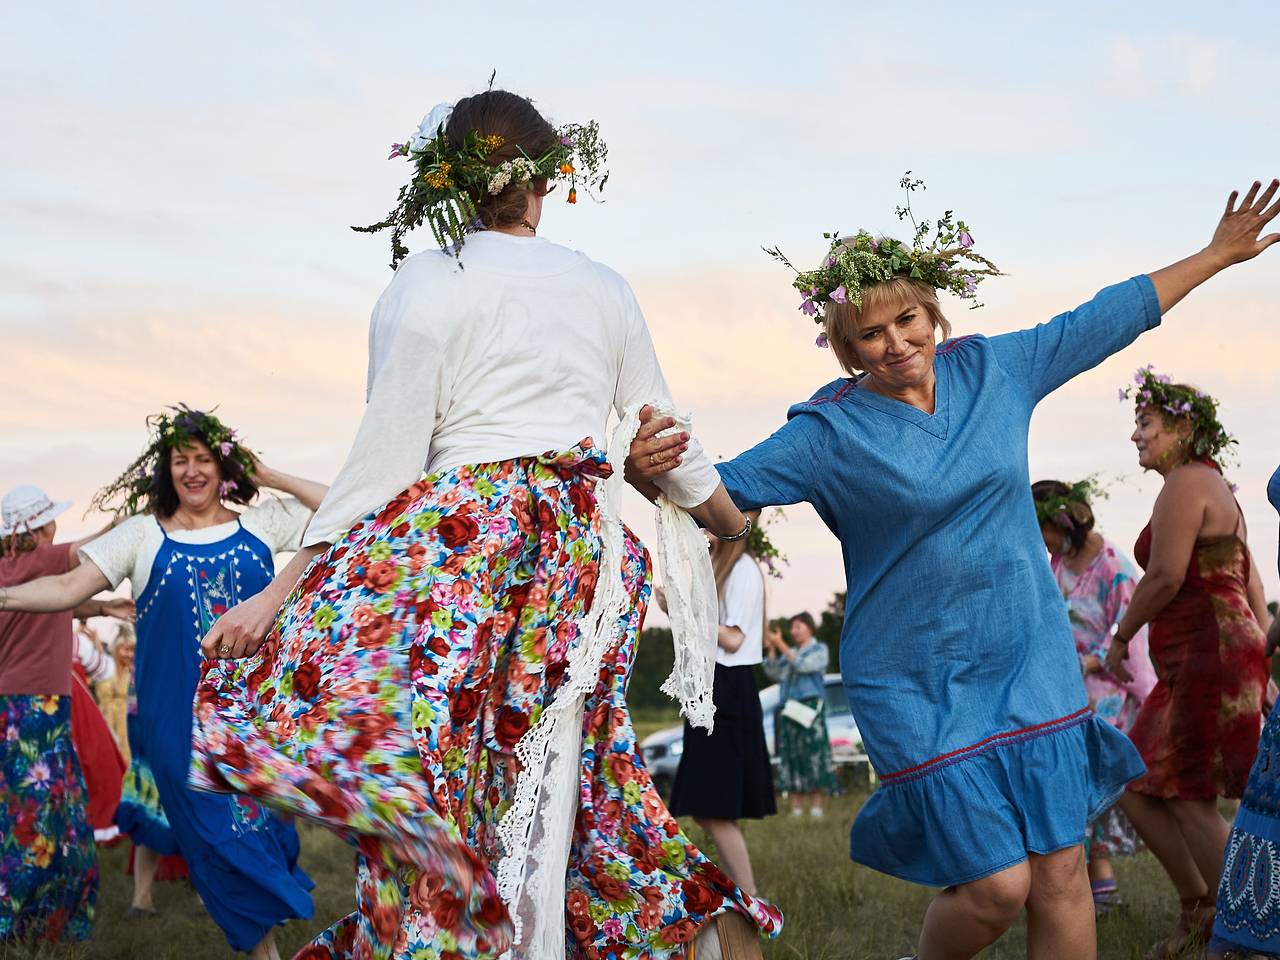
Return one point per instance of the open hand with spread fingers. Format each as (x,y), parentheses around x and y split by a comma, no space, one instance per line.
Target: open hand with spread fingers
(1239,233)
(651,455)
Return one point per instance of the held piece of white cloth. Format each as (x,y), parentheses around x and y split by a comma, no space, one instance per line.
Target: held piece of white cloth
(800,712)
(537,830)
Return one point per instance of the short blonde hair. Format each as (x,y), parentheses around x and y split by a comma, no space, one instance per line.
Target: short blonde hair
(842,321)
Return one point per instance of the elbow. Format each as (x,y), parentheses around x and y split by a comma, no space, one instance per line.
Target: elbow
(1164,585)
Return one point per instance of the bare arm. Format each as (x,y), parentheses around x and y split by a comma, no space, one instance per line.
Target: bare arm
(1257,596)
(1175,523)
(730,639)
(1235,240)
(66,591)
(240,631)
(309,492)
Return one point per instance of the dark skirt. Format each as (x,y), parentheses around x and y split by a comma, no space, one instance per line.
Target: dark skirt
(725,775)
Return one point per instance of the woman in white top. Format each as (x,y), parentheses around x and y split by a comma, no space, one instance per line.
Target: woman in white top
(471,596)
(188,558)
(725,775)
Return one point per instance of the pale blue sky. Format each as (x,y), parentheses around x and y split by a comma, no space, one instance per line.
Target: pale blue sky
(178,179)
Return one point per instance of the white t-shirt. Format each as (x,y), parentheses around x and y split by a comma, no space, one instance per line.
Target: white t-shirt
(523,349)
(742,606)
(130,549)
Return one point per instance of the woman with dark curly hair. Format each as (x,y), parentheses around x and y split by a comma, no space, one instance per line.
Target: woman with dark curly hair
(188,558)
(1201,599)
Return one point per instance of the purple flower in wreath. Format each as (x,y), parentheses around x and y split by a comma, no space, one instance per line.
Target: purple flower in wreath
(809,308)
(1124,394)
(397,150)
(970,287)
(966,239)
(226,488)
(225,448)
(838,295)
(822,342)
(566,142)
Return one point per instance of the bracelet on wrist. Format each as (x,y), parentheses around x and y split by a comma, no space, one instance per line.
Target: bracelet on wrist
(740,534)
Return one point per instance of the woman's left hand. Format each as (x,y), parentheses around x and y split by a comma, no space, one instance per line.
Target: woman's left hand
(122,608)
(240,631)
(1116,657)
(1237,237)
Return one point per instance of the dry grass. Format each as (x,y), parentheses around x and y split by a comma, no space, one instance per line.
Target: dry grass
(835,910)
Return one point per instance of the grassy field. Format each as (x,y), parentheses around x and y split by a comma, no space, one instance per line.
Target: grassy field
(834,909)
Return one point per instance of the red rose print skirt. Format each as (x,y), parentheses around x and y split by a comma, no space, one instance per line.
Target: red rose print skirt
(388,700)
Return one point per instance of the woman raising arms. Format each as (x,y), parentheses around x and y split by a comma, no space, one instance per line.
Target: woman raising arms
(956,650)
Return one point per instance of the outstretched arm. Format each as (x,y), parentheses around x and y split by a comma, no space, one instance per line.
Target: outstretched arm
(66,591)
(1238,238)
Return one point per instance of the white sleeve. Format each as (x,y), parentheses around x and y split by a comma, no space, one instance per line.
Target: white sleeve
(277,522)
(742,602)
(392,445)
(640,381)
(116,552)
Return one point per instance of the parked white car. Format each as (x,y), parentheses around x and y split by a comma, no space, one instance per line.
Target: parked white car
(662,750)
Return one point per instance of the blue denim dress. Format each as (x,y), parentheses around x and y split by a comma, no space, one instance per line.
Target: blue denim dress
(1249,890)
(956,650)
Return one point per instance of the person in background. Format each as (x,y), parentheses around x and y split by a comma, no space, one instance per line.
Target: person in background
(100,759)
(800,733)
(48,862)
(1096,580)
(1202,598)
(725,776)
(113,691)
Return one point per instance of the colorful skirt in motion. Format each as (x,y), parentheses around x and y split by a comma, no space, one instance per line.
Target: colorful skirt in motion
(48,861)
(388,701)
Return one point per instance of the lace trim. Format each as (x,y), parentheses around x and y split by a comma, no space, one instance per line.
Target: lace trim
(536,832)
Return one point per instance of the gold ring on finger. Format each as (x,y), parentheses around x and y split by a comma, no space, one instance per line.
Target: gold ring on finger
(224,650)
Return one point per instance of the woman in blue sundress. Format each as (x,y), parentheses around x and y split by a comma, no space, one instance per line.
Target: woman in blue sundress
(188,559)
(956,651)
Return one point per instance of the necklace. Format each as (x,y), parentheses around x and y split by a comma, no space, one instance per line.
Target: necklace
(529,226)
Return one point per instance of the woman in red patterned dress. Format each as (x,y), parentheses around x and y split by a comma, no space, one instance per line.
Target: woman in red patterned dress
(1202,596)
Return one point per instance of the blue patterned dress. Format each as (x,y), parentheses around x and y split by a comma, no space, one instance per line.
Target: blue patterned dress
(243,859)
(1249,891)
(956,650)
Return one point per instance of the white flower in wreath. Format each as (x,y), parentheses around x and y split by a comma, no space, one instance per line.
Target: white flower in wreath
(430,126)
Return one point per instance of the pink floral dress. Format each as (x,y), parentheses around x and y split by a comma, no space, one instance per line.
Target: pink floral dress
(1096,600)
(387,703)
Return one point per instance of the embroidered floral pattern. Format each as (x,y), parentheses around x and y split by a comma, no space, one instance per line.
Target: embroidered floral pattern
(411,659)
(48,862)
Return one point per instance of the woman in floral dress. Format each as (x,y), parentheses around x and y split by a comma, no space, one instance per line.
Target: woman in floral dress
(445,683)
(1096,580)
(1202,598)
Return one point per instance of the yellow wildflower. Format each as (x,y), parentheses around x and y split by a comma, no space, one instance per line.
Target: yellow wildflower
(566,168)
(492,142)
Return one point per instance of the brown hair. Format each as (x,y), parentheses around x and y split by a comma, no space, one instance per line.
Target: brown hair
(17,543)
(725,555)
(163,498)
(524,132)
(805,617)
(843,320)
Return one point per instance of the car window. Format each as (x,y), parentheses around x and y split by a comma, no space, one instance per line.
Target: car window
(837,699)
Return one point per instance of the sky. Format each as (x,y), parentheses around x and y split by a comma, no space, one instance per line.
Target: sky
(178,181)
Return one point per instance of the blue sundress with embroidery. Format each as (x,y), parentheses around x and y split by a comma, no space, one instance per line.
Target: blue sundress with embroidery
(243,859)
(1249,891)
(956,650)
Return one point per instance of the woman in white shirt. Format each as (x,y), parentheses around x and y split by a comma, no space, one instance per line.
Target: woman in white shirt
(188,558)
(472,596)
(725,776)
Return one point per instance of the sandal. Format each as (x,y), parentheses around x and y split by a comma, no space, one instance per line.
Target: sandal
(1195,927)
(730,937)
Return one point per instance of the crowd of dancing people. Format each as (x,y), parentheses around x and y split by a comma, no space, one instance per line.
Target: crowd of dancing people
(438,673)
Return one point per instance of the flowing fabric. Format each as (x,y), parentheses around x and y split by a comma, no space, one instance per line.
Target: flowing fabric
(48,862)
(392,697)
(1198,730)
(100,758)
(242,858)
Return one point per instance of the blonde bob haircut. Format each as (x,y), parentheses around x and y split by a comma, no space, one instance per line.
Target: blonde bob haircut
(842,321)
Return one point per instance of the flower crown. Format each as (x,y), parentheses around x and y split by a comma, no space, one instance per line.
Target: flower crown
(445,177)
(1058,509)
(761,547)
(1156,391)
(132,491)
(854,263)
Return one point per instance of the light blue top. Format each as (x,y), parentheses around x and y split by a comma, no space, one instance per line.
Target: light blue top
(805,677)
(955,636)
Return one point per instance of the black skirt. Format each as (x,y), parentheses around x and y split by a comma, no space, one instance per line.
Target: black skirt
(726,775)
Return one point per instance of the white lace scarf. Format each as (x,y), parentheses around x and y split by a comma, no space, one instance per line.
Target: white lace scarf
(536,832)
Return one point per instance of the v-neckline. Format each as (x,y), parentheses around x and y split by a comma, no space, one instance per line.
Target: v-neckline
(936,423)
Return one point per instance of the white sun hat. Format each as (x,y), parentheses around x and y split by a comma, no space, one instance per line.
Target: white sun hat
(28,508)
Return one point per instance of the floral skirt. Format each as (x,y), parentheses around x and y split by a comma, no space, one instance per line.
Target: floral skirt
(804,753)
(48,862)
(389,698)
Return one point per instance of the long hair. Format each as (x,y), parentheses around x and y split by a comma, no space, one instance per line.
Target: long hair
(725,555)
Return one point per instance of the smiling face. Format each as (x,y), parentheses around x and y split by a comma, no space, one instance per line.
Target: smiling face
(196,475)
(895,344)
(1161,445)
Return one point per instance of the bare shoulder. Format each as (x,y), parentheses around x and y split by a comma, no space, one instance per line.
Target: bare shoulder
(1193,481)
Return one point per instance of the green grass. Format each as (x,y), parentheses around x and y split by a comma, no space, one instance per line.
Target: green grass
(835,910)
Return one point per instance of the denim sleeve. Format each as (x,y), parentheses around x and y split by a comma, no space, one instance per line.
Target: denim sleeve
(779,470)
(1045,357)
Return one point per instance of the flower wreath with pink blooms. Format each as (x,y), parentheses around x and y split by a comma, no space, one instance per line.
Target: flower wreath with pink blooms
(945,261)
(1209,439)
(133,490)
